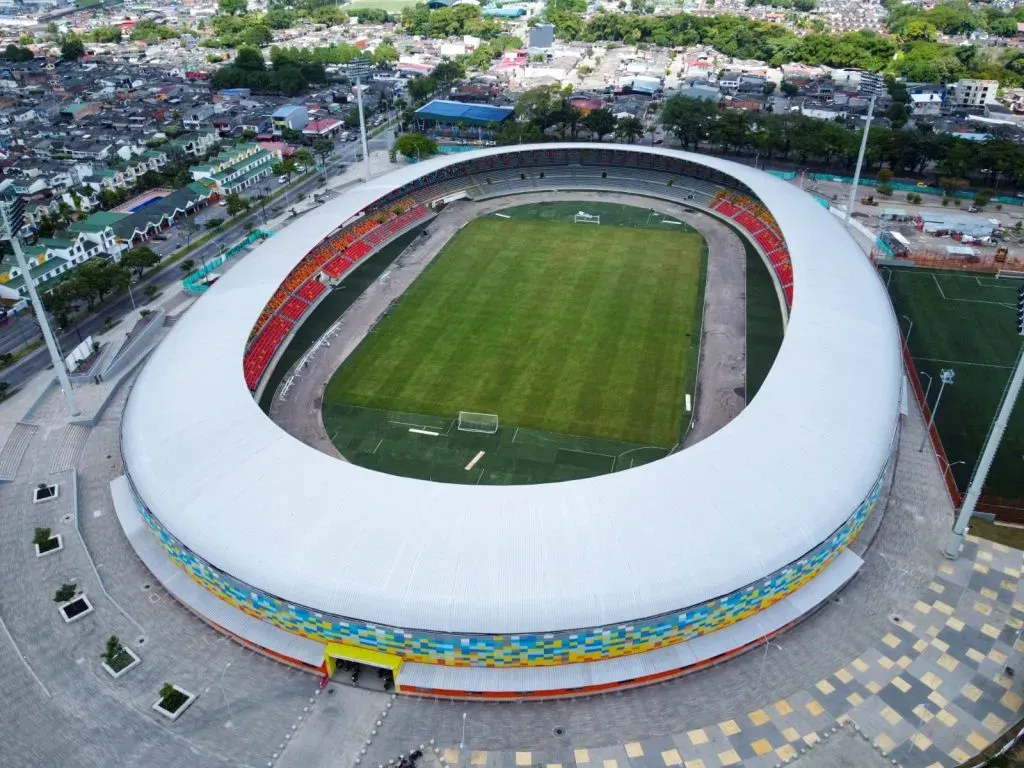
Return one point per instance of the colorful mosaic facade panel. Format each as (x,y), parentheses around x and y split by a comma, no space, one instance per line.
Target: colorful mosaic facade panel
(526,649)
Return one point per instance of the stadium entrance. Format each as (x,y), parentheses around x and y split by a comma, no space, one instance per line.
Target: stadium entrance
(362,667)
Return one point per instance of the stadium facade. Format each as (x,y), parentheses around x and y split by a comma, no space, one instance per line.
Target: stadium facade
(522,590)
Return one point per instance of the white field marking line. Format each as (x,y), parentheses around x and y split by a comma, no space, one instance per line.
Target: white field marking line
(473,462)
(963,362)
(503,216)
(413,424)
(419,431)
(17,650)
(968,301)
(514,434)
(379,442)
(689,403)
(669,221)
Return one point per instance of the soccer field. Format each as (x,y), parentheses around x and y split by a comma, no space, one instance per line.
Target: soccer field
(967,323)
(581,330)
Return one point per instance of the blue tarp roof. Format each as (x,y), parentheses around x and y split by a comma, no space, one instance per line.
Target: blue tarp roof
(457,112)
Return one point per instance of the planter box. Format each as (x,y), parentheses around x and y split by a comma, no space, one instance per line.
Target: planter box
(189,698)
(49,493)
(75,609)
(58,548)
(131,665)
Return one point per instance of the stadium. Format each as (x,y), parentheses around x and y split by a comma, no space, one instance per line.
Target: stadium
(522,589)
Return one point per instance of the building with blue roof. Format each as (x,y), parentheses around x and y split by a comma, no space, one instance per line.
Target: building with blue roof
(441,117)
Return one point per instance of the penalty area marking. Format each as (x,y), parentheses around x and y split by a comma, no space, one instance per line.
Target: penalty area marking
(503,216)
(476,458)
(419,431)
(689,403)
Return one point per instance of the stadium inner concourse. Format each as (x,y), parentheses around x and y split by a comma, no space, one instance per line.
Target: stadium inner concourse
(487,459)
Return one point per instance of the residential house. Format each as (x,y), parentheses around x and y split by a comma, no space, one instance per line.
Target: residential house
(196,116)
(79,111)
(196,144)
(973,94)
(237,168)
(925,104)
(292,116)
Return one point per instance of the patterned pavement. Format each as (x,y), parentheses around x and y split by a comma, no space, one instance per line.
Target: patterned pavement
(930,693)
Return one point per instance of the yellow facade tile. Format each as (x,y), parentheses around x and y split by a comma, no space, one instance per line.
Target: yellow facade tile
(933,631)
(980,568)
(997,656)
(1002,681)
(923,713)
(937,699)
(922,607)
(900,683)
(941,607)
(671,757)
(758,717)
(990,594)
(920,645)
(891,715)
(782,707)
(478,757)
(932,680)
(920,741)
(611,762)
(873,687)
(1011,701)
(947,662)
(791,734)
(814,708)
(946,718)
(524,758)
(955,624)
(891,640)
(885,742)
(634,749)
(729,728)
(986,556)
(825,687)
(940,645)
(860,665)
(975,655)
(983,608)
(451,756)
(582,756)
(977,740)
(855,699)
(936,588)
(994,723)
(698,763)
(946,569)
(971,692)
(811,739)
(786,753)
(885,662)
(761,747)
(989,631)
(697,737)
(729,757)
(958,755)
(843,676)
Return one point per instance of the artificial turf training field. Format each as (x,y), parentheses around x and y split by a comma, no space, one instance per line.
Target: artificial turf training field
(967,323)
(582,338)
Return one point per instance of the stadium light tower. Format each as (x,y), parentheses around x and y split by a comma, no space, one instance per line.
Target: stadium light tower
(871,84)
(946,376)
(12,218)
(360,68)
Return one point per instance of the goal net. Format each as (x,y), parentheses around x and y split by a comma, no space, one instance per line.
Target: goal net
(478,422)
(586,218)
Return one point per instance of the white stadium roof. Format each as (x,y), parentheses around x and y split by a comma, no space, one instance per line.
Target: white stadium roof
(311,529)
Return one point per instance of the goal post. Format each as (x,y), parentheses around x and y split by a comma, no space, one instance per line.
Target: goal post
(470,421)
(582,217)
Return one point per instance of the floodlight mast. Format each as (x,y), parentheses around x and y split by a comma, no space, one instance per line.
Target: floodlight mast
(361,68)
(871,83)
(11,219)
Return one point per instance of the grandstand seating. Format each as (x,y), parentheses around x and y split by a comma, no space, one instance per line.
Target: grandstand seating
(294,308)
(337,266)
(262,350)
(311,290)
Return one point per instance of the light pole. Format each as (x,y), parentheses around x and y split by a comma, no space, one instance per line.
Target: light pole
(988,453)
(462,741)
(869,83)
(12,217)
(946,376)
(359,69)
(910,327)
(764,660)
(929,387)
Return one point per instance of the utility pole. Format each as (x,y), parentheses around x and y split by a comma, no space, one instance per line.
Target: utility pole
(946,376)
(869,83)
(12,218)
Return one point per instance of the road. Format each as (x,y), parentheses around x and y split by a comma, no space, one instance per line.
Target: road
(37,360)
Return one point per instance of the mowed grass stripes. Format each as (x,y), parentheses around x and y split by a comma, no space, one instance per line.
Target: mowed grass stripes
(570,328)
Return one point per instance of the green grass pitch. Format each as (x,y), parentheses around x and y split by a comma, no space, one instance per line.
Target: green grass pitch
(967,323)
(582,330)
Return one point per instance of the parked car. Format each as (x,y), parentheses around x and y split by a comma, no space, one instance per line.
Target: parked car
(282,179)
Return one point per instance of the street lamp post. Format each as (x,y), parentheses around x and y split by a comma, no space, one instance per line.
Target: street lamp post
(869,83)
(946,376)
(462,741)
(910,327)
(929,387)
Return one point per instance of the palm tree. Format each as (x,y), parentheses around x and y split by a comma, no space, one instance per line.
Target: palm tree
(629,128)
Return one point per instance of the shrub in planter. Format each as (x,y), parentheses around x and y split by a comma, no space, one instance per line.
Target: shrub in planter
(173,700)
(945,201)
(65,593)
(45,541)
(884,190)
(116,657)
(957,202)
(44,492)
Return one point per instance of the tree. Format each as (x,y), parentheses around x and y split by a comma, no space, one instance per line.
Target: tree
(789,89)
(187,266)
(447,73)
(97,278)
(14,53)
(150,292)
(250,59)
(190,228)
(599,122)
(689,119)
(65,593)
(415,145)
(113,649)
(385,54)
(422,88)
(629,128)
(884,175)
(140,259)
(72,49)
(769,87)
(167,691)
(236,204)
(232,7)
(41,537)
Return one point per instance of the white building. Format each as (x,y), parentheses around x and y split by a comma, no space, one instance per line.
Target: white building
(973,93)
